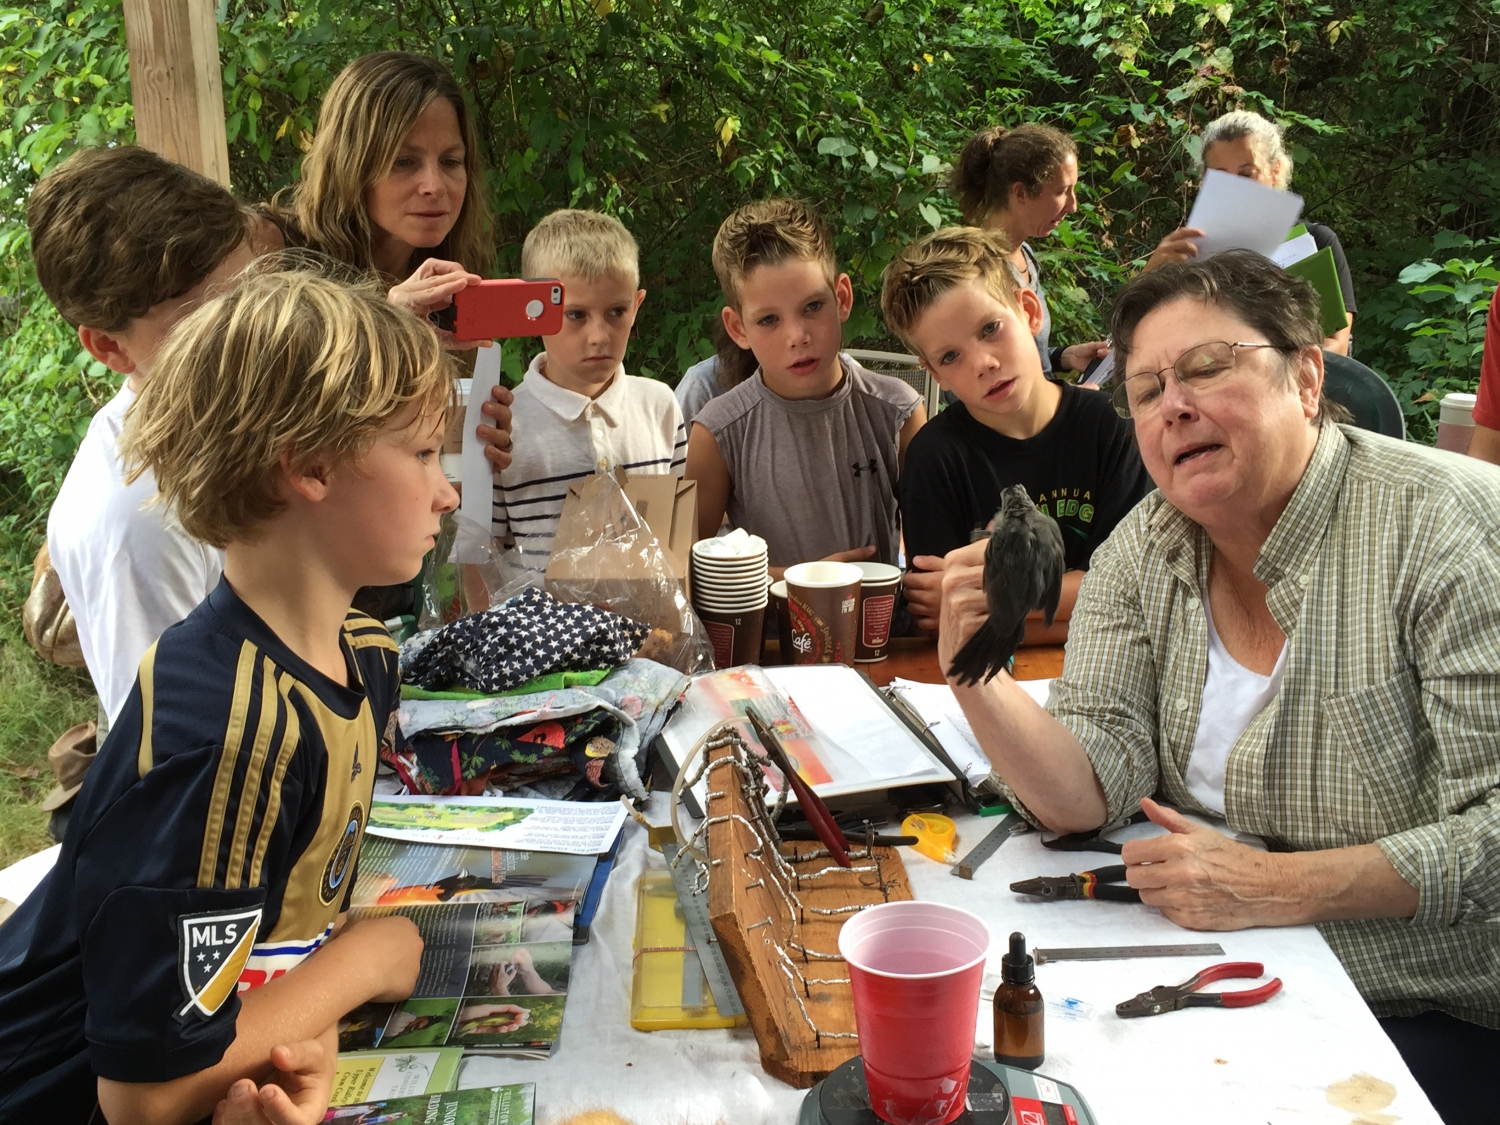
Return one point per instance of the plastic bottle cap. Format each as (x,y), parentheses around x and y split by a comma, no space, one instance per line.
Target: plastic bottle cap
(1018,966)
(1457,408)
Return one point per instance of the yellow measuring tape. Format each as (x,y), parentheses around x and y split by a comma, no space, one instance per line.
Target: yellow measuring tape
(936,835)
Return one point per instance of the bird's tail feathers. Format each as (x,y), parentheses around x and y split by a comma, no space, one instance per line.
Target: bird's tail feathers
(982,656)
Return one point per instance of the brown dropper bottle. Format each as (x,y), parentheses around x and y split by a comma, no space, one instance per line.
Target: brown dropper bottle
(1018,1009)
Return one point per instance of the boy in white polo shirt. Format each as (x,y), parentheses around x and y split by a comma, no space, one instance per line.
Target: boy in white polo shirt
(577,412)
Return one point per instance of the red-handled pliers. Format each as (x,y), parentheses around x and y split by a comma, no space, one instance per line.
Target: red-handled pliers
(812,805)
(1171,997)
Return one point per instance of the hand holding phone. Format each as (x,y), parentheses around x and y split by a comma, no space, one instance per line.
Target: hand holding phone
(504,309)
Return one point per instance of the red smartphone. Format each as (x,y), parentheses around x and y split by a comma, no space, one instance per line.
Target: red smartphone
(506,308)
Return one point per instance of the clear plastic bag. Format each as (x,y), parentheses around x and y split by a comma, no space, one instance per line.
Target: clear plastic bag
(605,554)
(451,590)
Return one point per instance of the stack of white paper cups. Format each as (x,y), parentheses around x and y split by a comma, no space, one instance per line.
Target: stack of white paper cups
(729,583)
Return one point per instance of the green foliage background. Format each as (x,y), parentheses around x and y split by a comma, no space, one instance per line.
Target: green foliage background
(669,114)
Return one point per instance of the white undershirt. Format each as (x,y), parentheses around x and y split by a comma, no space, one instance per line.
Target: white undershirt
(1232,696)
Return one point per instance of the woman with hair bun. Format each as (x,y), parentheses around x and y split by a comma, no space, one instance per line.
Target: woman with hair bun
(1243,143)
(1021,181)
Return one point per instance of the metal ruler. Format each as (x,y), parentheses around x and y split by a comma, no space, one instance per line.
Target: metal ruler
(987,847)
(1125,952)
(701,931)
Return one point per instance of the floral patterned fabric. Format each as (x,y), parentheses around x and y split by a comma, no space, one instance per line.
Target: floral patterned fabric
(584,743)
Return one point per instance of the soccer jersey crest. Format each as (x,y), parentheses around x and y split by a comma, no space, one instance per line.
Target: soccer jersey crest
(212,949)
(343,855)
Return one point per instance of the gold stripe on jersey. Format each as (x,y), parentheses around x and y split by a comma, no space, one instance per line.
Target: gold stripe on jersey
(381,639)
(234,734)
(143,759)
(290,735)
(365,632)
(349,743)
(265,726)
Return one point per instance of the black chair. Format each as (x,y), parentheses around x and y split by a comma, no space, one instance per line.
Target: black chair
(1364,394)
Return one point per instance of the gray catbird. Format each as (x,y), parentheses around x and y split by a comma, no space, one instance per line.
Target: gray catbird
(1023,571)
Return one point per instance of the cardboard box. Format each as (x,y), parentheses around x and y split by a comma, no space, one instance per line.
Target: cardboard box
(670,507)
(597,559)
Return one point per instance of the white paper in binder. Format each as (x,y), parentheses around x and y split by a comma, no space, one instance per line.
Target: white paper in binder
(478,476)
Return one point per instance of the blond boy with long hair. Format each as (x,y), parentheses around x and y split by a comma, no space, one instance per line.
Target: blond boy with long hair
(186,949)
(577,412)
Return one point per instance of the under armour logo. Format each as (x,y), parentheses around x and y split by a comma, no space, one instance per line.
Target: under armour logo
(859,468)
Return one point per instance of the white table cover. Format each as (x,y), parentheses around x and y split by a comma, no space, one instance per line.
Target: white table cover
(1246,1066)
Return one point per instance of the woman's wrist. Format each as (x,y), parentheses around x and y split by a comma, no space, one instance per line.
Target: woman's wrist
(1337,885)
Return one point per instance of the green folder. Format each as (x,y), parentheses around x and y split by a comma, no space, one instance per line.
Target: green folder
(1324,275)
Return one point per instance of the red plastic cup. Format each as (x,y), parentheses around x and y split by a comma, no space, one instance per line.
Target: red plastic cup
(915,970)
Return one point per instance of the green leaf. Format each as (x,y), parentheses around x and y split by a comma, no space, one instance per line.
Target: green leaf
(1417,272)
(930,213)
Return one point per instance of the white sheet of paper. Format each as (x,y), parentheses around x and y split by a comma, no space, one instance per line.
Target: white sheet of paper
(945,719)
(576,827)
(865,747)
(1100,375)
(1293,250)
(478,505)
(1236,213)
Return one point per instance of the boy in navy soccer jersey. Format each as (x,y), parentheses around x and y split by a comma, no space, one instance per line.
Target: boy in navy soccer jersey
(184,956)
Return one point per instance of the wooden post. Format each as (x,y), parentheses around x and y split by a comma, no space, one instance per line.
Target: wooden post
(176,82)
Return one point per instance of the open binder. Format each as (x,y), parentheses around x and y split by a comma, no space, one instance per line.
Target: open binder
(854,744)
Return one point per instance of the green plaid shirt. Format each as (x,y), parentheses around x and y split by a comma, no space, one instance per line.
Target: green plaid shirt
(1384,574)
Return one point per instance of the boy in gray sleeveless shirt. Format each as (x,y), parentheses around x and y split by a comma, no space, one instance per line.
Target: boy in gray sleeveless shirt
(806,453)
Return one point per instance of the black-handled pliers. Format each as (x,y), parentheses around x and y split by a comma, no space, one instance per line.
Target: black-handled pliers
(1171,997)
(1098,883)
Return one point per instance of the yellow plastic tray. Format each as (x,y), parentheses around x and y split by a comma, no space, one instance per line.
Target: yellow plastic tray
(668,988)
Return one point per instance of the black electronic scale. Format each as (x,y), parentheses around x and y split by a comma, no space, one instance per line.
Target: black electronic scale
(998,1095)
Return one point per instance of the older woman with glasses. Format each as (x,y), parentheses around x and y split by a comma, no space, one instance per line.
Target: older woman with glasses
(1299,633)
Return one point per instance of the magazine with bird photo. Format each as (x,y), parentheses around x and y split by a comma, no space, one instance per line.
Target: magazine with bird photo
(497,934)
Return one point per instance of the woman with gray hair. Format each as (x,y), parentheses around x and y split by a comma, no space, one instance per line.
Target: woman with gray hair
(1246,144)
(1299,634)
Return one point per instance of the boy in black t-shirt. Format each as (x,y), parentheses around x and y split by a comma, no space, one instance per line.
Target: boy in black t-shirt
(955,302)
(185,954)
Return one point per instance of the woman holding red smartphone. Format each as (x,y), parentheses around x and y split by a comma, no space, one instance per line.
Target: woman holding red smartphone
(393,183)
(385,186)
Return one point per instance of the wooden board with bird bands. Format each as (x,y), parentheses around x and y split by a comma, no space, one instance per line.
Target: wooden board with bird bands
(777,908)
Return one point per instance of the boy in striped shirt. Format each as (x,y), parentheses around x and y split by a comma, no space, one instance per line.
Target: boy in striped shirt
(577,413)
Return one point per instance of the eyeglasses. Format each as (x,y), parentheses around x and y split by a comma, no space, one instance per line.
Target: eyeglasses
(1197,369)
